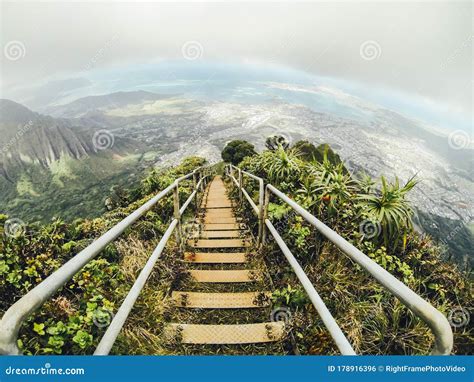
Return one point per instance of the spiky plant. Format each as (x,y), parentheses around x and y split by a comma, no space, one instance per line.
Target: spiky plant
(335,189)
(366,183)
(282,165)
(391,209)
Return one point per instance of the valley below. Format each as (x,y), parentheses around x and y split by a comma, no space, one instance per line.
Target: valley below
(70,175)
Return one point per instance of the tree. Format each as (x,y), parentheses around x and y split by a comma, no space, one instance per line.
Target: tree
(237,150)
(273,142)
(308,152)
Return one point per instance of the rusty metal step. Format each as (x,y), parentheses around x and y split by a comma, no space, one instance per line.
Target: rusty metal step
(216,257)
(221,300)
(225,276)
(225,334)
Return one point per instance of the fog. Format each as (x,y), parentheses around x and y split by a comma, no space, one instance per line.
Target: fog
(422,49)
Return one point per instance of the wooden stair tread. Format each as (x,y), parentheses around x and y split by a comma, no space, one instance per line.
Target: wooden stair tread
(217,257)
(220,234)
(219,210)
(222,226)
(219,220)
(219,243)
(221,300)
(218,215)
(225,276)
(216,205)
(225,334)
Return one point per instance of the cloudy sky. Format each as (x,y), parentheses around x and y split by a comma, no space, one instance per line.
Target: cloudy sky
(422,49)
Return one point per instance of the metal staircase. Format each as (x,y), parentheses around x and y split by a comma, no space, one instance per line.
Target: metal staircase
(223,272)
(217,232)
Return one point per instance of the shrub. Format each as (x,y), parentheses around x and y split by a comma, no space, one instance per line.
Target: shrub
(235,151)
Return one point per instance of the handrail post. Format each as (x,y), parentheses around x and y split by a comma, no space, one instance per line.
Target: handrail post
(203,183)
(240,184)
(196,199)
(437,322)
(261,221)
(16,314)
(176,212)
(265,215)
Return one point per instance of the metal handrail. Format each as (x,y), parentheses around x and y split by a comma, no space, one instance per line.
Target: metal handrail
(257,209)
(340,339)
(436,321)
(108,339)
(35,298)
(113,330)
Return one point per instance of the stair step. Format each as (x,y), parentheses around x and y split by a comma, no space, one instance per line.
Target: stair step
(219,211)
(225,334)
(216,204)
(220,220)
(223,200)
(221,226)
(219,243)
(216,257)
(221,300)
(220,234)
(218,214)
(225,276)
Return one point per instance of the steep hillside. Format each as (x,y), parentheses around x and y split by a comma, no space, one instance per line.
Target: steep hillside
(374,321)
(31,138)
(60,167)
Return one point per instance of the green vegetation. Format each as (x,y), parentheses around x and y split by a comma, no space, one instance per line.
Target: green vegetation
(235,151)
(273,142)
(375,217)
(309,152)
(69,189)
(76,317)
(390,209)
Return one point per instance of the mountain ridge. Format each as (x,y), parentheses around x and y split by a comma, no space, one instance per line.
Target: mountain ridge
(86,105)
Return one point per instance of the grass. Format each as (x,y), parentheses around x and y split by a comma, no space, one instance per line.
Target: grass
(144,329)
(374,321)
